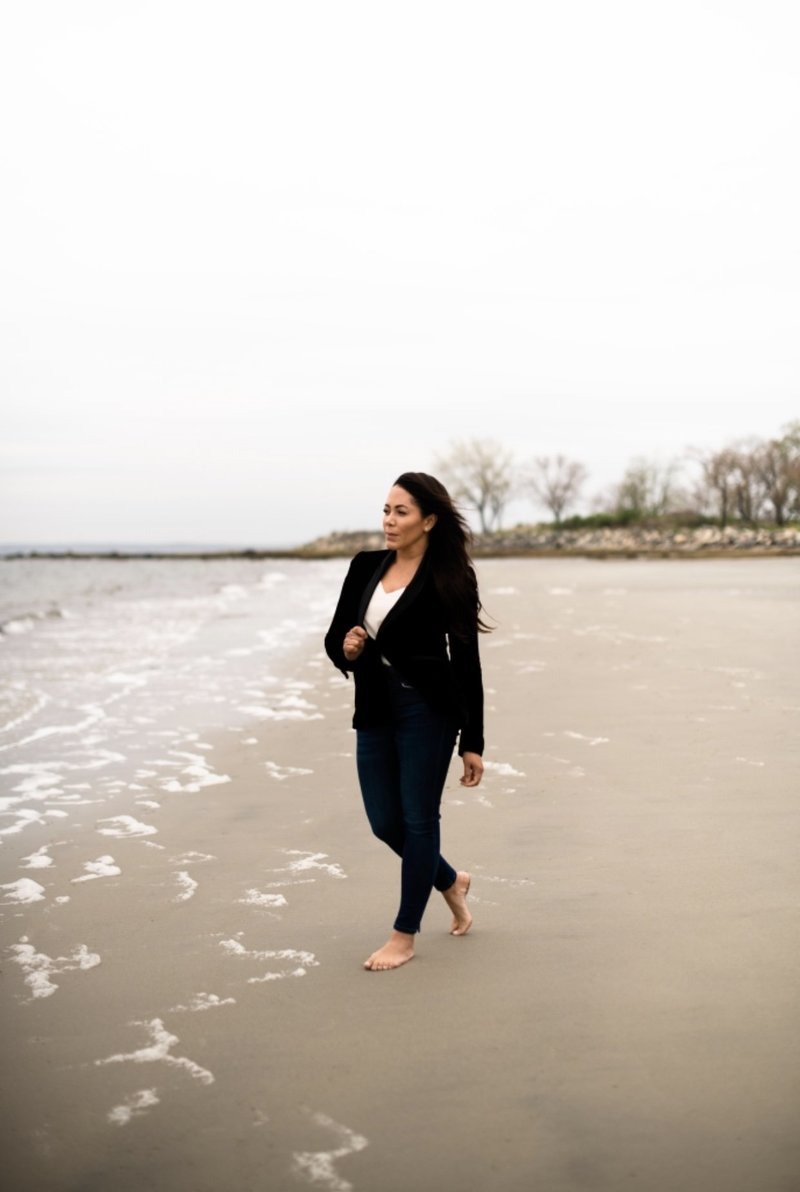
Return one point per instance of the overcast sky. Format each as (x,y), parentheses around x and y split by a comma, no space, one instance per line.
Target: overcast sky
(259,257)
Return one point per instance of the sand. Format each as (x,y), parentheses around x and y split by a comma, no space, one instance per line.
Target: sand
(624,1013)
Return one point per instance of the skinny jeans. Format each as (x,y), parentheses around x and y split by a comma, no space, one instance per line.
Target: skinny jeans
(402,767)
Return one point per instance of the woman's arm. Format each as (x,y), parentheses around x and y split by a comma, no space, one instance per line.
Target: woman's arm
(344,620)
(466,662)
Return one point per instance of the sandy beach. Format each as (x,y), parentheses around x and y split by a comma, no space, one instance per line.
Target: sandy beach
(183,1002)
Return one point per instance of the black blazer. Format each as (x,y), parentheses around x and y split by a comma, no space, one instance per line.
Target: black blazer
(414,638)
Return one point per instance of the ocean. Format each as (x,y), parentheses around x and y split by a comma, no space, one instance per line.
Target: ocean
(111,661)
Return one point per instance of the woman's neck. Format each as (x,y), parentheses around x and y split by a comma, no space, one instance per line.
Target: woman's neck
(405,565)
(411,555)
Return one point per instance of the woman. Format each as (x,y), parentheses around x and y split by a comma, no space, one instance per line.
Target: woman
(407,625)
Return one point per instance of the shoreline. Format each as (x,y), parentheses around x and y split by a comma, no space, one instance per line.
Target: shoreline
(301,555)
(637,542)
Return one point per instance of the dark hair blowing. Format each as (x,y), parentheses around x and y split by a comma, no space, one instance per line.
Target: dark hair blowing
(448,542)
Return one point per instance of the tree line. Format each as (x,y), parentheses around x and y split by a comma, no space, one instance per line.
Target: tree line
(748,482)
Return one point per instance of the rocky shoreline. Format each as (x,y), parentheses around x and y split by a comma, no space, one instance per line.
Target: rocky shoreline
(626,542)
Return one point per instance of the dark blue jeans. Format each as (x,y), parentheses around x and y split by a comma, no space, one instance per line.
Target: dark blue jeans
(402,767)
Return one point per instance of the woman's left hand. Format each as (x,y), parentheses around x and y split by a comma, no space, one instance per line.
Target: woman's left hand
(473,769)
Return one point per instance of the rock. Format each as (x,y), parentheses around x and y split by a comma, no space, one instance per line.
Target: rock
(603,540)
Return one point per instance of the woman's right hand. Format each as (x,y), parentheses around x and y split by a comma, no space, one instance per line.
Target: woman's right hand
(354,643)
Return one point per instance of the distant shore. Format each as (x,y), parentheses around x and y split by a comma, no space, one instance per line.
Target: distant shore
(523,541)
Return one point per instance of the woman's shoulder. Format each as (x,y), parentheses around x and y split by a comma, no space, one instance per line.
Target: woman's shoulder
(374,556)
(367,561)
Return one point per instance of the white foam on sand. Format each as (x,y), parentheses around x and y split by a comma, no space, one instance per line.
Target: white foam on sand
(38,860)
(158,1052)
(257,898)
(102,867)
(40,968)
(286,709)
(187,886)
(303,960)
(319,1167)
(503,768)
(192,858)
(25,815)
(306,861)
(135,1106)
(40,782)
(37,776)
(280,713)
(507,881)
(204,1001)
(200,774)
(573,772)
(125,825)
(23,890)
(582,737)
(72,801)
(282,772)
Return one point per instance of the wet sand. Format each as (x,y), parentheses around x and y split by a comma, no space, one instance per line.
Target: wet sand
(624,1013)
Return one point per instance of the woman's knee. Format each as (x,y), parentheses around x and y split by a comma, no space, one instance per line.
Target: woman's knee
(423,827)
(387,828)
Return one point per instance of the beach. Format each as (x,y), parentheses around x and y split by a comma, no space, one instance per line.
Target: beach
(188,888)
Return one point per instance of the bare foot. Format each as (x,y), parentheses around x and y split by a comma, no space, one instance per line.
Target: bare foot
(398,949)
(456,899)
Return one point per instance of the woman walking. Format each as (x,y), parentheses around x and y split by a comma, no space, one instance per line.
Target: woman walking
(406,626)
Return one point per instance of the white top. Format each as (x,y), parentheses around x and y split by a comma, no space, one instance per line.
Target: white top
(377,609)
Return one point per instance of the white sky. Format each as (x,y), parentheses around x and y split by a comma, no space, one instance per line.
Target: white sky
(259,257)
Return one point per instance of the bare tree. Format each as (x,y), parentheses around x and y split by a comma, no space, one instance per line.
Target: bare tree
(480,474)
(791,437)
(719,480)
(556,482)
(647,489)
(749,489)
(777,465)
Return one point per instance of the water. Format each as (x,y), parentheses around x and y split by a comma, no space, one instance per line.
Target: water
(108,662)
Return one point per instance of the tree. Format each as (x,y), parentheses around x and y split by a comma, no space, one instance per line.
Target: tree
(479,473)
(647,489)
(749,491)
(719,473)
(556,482)
(777,465)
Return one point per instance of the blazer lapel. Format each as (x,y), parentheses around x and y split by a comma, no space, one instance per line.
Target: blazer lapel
(366,596)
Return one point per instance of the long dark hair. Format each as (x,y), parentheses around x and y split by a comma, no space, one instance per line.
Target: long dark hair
(448,553)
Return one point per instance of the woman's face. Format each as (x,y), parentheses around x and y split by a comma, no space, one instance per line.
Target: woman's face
(404,525)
